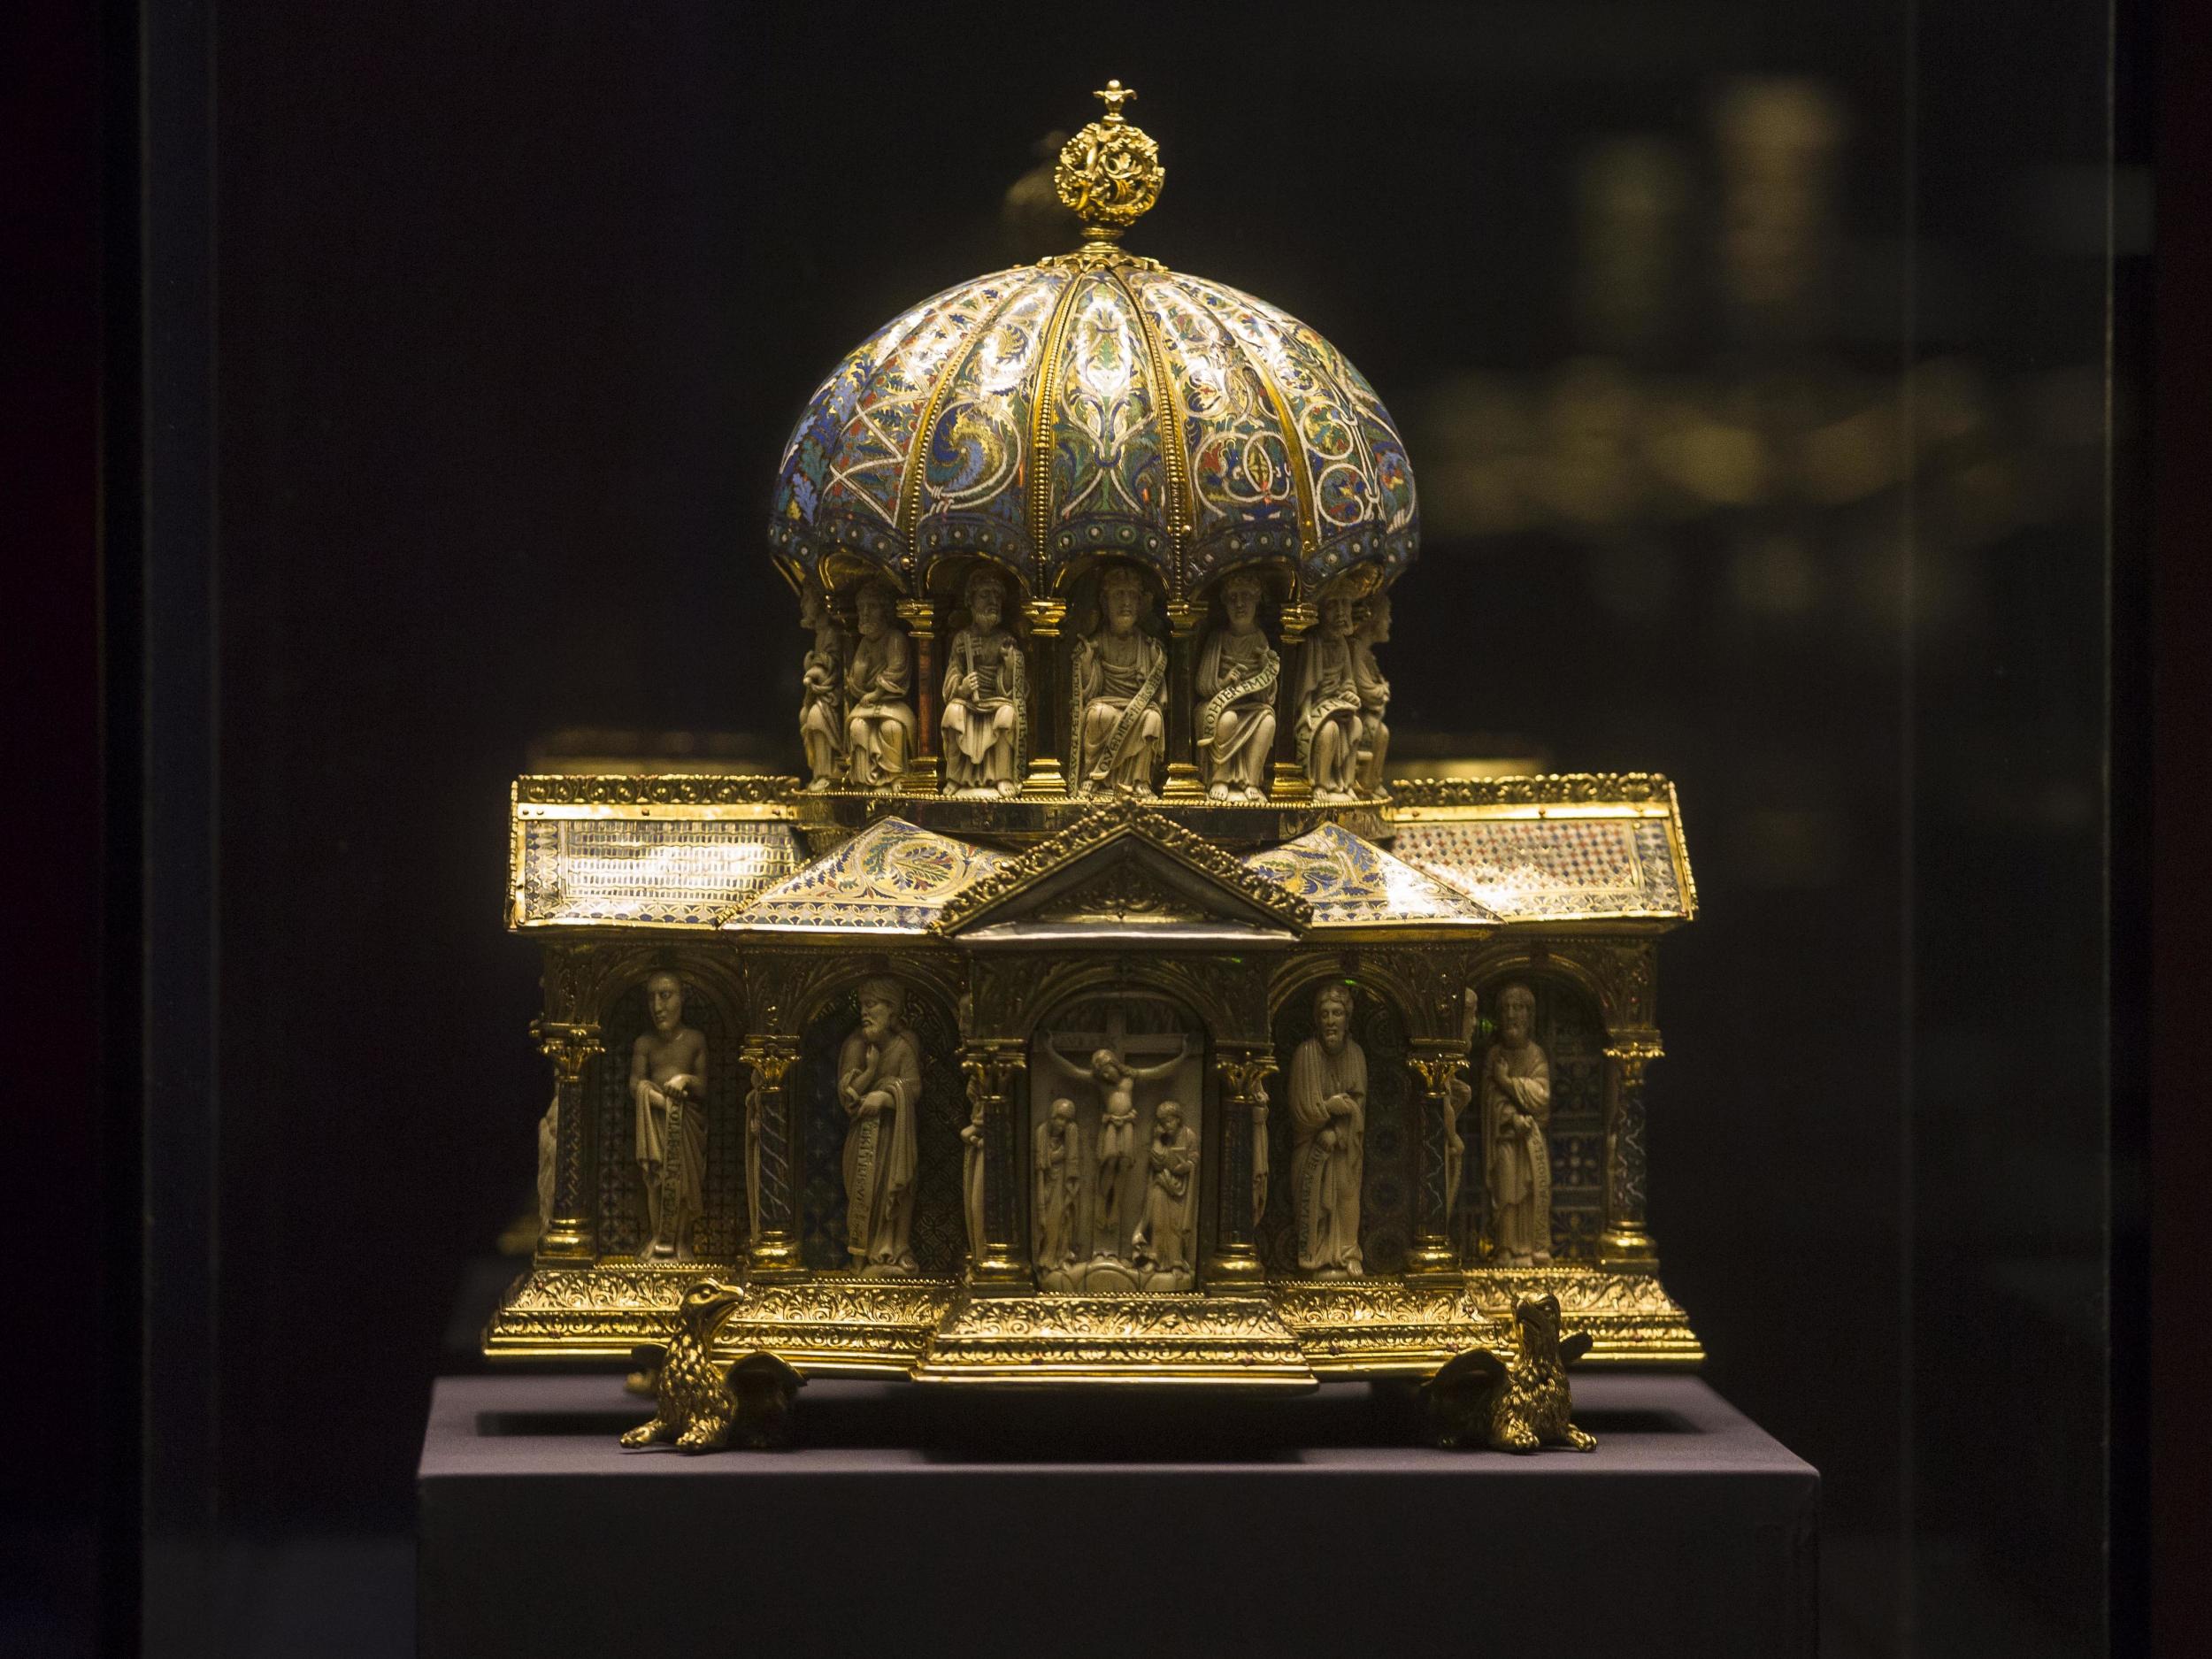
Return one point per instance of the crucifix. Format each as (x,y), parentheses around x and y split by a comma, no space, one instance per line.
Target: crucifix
(1112,1065)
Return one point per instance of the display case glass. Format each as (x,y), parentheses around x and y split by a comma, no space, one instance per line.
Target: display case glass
(1758,368)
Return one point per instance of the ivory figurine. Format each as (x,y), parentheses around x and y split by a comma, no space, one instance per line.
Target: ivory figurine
(986,716)
(1328,1109)
(548,1148)
(879,1086)
(1119,672)
(668,1093)
(1235,686)
(879,722)
(1164,1248)
(1117,1153)
(821,697)
(1329,720)
(1516,1111)
(1058,1206)
(971,1172)
(1373,629)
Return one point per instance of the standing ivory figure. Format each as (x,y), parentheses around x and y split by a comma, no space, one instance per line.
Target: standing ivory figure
(668,1089)
(821,704)
(1374,693)
(1059,1197)
(879,1086)
(878,720)
(1119,671)
(986,721)
(1166,1238)
(1516,1158)
(1329,721)
(1328,1110)
(548,1149)
(1235,725)
(971,1170)
(756,1105)
(1117,1081)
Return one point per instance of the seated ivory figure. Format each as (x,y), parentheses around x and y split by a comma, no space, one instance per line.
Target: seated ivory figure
(1329,720)
(986,723)
(1374,692)
(1235,686)
(878,720)
(1119,674)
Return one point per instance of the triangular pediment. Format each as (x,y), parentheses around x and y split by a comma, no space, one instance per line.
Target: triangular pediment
(1120,868)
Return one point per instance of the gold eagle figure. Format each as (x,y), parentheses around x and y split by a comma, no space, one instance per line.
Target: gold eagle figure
(1511,1405)
(694,1407)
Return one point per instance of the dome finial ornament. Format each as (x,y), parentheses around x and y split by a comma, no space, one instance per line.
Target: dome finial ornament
(1109,173)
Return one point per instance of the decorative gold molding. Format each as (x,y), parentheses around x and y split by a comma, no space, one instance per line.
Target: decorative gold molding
(1100,828)
(1283,1331)
(657,789)
(1574,788)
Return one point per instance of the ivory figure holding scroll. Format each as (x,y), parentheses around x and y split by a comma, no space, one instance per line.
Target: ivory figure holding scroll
(1328,705)
(1372,629)
(879,1086)
(1328,1112)
(1119,672)
(1166,1245)
(821,693)
(878,720)
(668,1093)
(1235,686)
(1116,1152)
(1515,1109)
(1057,1206)
(985,716)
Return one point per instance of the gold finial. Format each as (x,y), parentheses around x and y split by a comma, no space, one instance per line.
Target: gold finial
(1109,173)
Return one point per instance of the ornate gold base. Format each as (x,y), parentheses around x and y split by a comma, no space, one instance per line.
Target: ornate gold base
(1287,1332)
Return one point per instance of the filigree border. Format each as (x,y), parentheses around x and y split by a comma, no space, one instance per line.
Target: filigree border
(1570,788)
(654,789)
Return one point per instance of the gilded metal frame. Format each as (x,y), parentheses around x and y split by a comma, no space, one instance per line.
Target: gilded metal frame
(1243,1326)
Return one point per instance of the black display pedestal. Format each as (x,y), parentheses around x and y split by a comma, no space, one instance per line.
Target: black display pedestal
(909,1519)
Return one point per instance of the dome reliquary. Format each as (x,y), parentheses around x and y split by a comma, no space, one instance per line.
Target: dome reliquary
(1101,1003)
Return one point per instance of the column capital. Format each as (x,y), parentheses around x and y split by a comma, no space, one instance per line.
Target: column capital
(769,1057)
(1632,1052)
(1186,616)
(913,612)
(1045,616)
(569,1044)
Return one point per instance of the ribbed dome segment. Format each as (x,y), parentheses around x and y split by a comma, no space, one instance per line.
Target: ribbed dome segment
(1029,415)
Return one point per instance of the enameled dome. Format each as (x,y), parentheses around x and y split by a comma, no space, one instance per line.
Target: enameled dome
(1095,402)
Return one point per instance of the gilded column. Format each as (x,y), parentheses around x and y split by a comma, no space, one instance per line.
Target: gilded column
(1048,697)
(1625,1242)
(1235,1266)
(1290,782)
(1444,1095)
(771,1157)
(572,1229)
(1185,619)
(922,771)
(1002,1268)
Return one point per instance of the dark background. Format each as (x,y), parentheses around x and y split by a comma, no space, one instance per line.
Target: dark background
(509,309)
